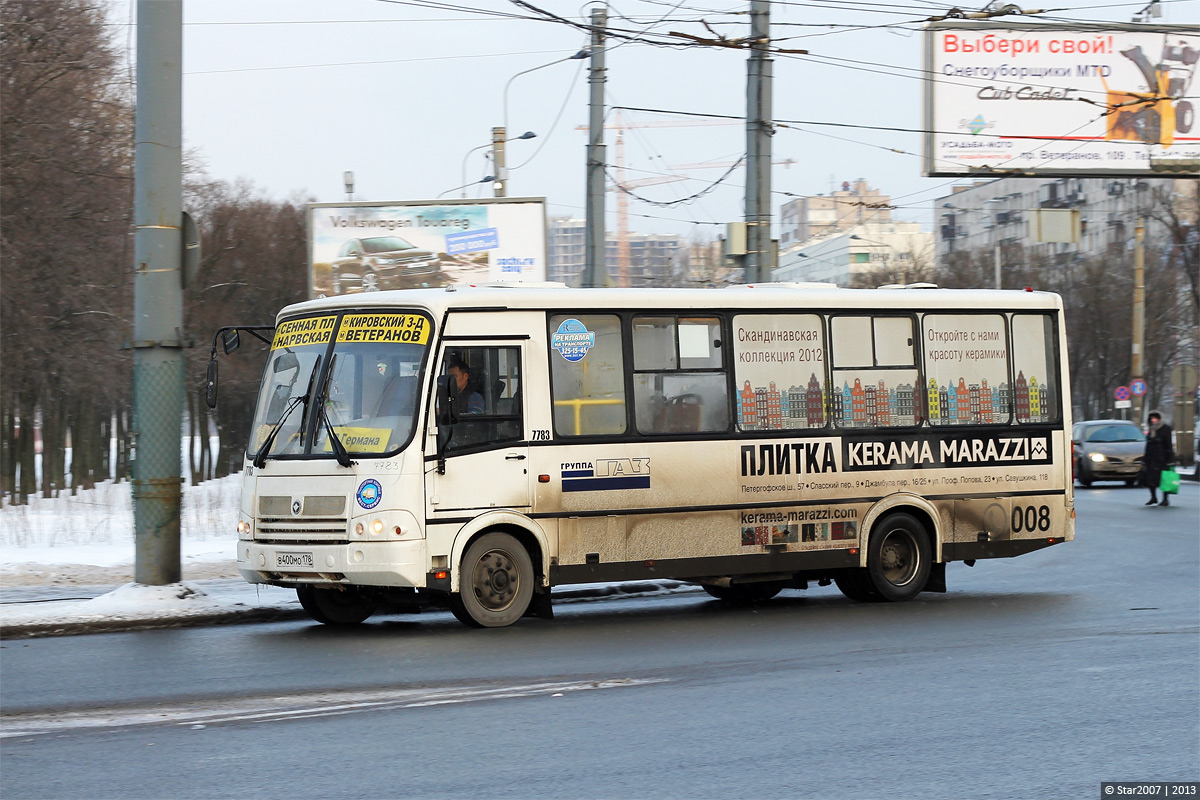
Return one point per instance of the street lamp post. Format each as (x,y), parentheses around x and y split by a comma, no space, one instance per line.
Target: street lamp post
(498,177)
(487,179)
(465,184)
(498,134)
(581,54)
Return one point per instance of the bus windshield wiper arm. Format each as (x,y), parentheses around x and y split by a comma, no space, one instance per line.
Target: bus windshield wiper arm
(339,450)
(260,457)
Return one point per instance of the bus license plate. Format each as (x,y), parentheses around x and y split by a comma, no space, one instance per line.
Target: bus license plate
(294,560)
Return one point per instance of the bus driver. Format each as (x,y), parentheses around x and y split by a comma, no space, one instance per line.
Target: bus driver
(466,400)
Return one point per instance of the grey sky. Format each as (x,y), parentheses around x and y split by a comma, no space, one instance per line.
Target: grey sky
(289,94)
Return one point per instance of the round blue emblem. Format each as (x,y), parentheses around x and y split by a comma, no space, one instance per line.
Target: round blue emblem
(369,493)
(572,340)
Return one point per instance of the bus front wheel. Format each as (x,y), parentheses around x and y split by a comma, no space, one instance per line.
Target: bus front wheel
(495,582)
(898,557)
(335,606)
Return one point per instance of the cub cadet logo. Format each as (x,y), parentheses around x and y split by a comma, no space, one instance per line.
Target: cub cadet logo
(606,473)
(778,459)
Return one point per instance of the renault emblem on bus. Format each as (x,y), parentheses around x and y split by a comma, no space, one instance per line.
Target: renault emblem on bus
(295,507)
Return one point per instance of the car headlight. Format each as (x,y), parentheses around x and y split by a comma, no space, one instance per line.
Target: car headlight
(387,261)
(1097,457)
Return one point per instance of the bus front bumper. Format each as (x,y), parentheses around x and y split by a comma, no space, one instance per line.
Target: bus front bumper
(356,563)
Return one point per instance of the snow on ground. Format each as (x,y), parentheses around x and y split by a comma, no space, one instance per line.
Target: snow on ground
(135,605)
(87,538)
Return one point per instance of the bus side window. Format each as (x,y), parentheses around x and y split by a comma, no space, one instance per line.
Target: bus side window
(1035,364)
(875,378)
(485,384)
(966,369)
(587,374)
(679,381)
(780,371)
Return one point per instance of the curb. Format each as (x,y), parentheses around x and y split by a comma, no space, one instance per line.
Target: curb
(39,630)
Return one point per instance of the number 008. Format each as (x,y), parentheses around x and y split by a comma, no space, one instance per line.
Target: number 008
(1030,518)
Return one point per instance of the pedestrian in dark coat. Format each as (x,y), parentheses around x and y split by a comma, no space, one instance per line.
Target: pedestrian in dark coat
(1160,454)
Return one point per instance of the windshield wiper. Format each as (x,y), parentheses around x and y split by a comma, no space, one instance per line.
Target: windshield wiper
(339,450)
(260,458)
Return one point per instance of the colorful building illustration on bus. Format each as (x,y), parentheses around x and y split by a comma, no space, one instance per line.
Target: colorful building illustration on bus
(878,405)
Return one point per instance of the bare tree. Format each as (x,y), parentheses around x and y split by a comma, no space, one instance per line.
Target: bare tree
(255,262)
(65,177)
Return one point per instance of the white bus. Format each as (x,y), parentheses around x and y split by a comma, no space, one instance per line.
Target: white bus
(476,446)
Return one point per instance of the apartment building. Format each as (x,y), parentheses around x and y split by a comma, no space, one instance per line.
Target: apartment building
(984,215)
(808,218)
(652,256)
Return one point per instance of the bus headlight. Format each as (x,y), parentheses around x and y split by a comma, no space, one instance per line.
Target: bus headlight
(243,529)
(1097,457)
(376,526)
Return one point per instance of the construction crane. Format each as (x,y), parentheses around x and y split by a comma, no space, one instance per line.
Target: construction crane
(621,185)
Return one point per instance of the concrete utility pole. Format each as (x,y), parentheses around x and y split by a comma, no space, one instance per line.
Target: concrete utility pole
(594,250)
(1139,314)
(500,186)
(158,292)
(758,146)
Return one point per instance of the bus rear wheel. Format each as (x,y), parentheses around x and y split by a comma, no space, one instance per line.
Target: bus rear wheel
(746,592)
(898,557)
(495,582)
(335,606)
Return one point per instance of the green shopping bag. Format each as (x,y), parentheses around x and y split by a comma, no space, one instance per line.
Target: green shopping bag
(1169,482)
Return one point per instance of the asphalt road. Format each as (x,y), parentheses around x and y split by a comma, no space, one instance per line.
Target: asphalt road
(1035,677)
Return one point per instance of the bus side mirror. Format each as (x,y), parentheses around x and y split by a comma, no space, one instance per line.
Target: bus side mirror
(210,383)
(230,340)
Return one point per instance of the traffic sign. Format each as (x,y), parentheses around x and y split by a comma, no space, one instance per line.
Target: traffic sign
(1137,386)
(1121,393)
(1124,404)
(1183,378)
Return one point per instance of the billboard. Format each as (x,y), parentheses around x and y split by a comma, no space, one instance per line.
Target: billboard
(1050,99)
(368,247)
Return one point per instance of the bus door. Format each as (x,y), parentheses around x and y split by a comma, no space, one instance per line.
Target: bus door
(476,452)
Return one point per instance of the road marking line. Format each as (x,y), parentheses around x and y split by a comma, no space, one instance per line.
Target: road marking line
(305,705)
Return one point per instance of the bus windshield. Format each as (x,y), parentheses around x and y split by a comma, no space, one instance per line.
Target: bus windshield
(364,387)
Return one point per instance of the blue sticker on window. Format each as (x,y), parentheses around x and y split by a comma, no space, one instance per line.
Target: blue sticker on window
(572,340)
(369,493)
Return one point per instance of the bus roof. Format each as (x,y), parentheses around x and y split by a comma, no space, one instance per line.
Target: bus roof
(773,296)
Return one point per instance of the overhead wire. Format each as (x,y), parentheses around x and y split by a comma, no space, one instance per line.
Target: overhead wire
(372,63)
